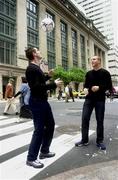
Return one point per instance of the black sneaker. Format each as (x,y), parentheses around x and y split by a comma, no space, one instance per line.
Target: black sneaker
(101,146)
(5,113)
(46,155)
(35,164)
(81,143)
(17,113)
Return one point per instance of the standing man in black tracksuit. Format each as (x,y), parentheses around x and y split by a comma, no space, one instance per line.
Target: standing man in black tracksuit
(97,81)
(42,114)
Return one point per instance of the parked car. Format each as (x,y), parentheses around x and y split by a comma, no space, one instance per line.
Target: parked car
(75,94)
(82,94)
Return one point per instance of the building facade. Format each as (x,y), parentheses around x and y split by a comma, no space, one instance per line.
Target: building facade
(71,44)
(102,14)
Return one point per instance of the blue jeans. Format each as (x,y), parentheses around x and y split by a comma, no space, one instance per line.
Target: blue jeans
(88,107)
(43,128)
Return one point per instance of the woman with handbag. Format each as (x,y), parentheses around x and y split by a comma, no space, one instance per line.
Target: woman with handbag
(24,92)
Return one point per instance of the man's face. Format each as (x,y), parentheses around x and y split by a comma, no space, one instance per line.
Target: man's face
(95,61)
(38,54)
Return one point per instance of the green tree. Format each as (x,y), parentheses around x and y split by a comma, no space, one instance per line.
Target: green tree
(74,74)
(78,74)
(59,72)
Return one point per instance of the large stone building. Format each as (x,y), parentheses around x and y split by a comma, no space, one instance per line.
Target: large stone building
(103,14)
(72,42)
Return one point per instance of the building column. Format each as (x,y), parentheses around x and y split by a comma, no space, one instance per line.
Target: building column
(58,40)
(91,52)
(86,51)
(102,60)
(21,31)
(42,33)
(91,48)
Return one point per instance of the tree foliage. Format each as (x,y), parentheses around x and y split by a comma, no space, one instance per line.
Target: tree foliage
(74,74)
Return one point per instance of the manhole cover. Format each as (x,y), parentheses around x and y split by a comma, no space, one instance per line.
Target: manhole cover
(68,129)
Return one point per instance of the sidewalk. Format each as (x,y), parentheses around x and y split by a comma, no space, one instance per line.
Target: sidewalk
(100,171)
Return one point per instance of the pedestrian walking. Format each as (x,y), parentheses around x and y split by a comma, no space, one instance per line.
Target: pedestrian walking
(24,92)
(9,92)
(97,82)
(42,114)
(71,93)
(59,93)
(67,93)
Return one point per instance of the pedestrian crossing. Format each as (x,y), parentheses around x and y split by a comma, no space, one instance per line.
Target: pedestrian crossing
(15,139)
(15,128)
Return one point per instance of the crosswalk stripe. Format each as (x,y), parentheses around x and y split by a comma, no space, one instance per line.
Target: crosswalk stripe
(7,121)
(17,127)
(15,142)
(14,150)
(16,168)
(3,117)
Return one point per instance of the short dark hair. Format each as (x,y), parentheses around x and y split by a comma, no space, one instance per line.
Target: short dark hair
(29,53)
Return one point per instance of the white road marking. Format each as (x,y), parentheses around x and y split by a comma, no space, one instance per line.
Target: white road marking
(16,168)
(3,117)
(16,128)
(15,142)
(8,121)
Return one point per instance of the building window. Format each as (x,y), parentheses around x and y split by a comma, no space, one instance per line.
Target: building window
(82,47)
(64,45)
(32,24)
(74,48)
(8,8)
(7,28)
(31,6)
(32,38)
(51,44)
(7,52)
(8,32)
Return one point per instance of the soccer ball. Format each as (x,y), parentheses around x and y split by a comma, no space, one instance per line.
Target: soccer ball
(47,24)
